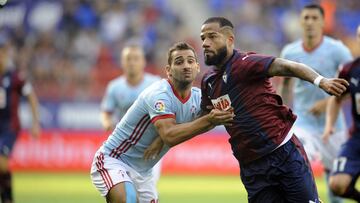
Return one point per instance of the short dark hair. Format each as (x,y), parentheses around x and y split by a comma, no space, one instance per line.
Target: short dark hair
(220,20)
(179,46)
(315,6)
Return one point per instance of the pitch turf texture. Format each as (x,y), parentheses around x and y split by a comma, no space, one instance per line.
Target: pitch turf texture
(77,188)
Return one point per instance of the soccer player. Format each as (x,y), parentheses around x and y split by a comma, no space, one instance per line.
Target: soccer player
(123,91)
(274,166)
(346,168)
(325,55)
(163,115)
(13,85)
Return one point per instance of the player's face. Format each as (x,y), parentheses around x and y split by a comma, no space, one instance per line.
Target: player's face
(133,61)
(214,44)
(184,67)
(312,22)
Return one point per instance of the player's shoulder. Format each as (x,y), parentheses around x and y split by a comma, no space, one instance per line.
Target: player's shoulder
(119,81)
(291,48)
(151,77)
(347,67)
(16,75)
(156,89)
(333,43)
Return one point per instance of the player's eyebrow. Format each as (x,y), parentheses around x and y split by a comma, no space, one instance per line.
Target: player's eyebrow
(179,57)
(208,33)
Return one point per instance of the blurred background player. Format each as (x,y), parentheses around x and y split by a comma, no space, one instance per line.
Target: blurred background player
(346,168)
(158,117)
(324,54)
(13,85)
(123,91)
(261,136)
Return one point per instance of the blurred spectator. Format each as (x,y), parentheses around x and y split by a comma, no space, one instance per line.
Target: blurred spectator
(70,47)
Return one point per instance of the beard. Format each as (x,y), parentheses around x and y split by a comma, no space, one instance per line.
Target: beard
(216,58)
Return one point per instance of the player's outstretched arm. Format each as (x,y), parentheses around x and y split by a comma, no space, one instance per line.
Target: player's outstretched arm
(106,120)
(173,134)
(283,67)
(34,104)
(332,111)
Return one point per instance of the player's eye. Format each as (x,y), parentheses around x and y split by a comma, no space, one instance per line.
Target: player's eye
(178,62)
(191,61)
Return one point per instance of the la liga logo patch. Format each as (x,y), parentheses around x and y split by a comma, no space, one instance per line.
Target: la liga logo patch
(160,106)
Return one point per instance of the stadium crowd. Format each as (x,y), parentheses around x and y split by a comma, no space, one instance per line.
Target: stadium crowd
(71,54)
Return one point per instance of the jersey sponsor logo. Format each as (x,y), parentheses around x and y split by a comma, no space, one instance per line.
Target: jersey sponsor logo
(222,103)
(160,106)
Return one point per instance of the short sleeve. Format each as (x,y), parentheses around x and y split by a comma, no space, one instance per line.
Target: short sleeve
(343,54)
(23,86)
(108,102)
(256,65)
(159,107)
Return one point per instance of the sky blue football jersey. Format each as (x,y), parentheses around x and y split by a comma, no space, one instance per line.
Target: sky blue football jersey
(119,95)
(135,132)
(324,59)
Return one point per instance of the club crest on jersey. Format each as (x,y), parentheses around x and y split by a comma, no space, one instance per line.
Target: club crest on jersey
(160,106)
(224,77)
(222,103)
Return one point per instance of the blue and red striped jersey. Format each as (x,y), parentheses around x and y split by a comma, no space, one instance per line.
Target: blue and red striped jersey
(351,73)
(11,89)
(261,120)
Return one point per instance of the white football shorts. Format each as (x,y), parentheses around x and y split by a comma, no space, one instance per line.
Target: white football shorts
(315,147)
(107,172)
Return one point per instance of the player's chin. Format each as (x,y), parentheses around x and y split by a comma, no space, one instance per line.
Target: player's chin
(188,79)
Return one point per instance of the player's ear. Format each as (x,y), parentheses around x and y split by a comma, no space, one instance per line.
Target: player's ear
(198,67)
(231,40)
(168,70)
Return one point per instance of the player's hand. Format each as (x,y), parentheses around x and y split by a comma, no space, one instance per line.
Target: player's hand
(318,108)
(36,130)
(334,86)
(109,127)
(154,149)
(219,117)
(328,131)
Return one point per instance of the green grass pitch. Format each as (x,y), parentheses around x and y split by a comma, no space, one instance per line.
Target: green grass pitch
(77,188)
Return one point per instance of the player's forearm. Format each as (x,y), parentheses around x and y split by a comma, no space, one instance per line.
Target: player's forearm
(106,120)
(332,111)
(179,133)
(34,104)
(283,67)
(284,89)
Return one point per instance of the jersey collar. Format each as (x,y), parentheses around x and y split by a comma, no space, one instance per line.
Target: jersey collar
(182,100)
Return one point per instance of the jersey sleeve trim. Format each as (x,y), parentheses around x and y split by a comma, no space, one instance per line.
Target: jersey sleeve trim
(154,119)
(268,63)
